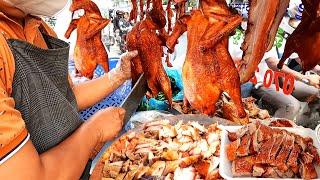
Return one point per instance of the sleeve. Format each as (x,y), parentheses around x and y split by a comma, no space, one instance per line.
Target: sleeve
(13,133)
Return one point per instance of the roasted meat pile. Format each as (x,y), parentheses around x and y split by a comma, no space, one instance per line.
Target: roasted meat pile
(261,151)
(264,19)
(305,40)
(209,69)
(89,50)
(162,151)
(144,38)
(228,111)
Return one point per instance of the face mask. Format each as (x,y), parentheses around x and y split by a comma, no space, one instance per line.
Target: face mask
(39,7)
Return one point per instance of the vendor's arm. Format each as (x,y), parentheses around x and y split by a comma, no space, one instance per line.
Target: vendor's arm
(314,80)
(68,159)
(18,156)
(91,92)
(272,64)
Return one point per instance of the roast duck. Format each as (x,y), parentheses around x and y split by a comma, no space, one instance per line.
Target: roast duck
(89,50)
(209,69)
(305,40)
(262,151)
(264,19)
(145,38)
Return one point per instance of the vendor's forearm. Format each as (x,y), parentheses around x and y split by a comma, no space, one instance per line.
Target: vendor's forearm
(65,161)
(91,92)
(272,64)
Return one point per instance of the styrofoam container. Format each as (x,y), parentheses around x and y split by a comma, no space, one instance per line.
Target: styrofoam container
(225,168)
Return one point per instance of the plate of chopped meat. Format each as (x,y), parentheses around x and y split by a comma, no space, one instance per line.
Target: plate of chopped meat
(172,148)
(260,151)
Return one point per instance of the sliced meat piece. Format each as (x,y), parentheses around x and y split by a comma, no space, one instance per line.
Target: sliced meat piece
(187,161)
(141,171)
(171,166)
(284,153)
(112,169)
(232,150)
(302,142)
(307,171)
(243,149)
(306,157)
(121,176)
(313,150)
(292,161)
(232,136)
(254,146)
(214,175)
(258,170)
(276,147)
(265,150)
(130,175)
(285,174)
(156,169)
(264,133)
(270,173)
(202,167)
(243,166)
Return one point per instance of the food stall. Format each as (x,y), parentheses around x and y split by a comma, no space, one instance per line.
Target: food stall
(191,121)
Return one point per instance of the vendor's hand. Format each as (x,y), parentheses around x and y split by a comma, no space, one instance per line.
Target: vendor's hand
(108,123)
(314,80)
(124,65)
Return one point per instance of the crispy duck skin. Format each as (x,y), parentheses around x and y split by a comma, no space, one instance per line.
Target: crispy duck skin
(143,37)
(89,50)
(205,59)
(305,40)
(264,19)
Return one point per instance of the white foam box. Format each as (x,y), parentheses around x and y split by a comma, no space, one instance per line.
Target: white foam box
(225,167)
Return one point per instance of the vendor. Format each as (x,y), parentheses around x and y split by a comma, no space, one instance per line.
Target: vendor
(286,106)
(41,133)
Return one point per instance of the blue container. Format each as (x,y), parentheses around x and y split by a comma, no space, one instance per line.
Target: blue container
(114,99)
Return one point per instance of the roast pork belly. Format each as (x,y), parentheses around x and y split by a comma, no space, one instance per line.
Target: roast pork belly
(265,150)
(243,149)
(279,138)
(292,161)
(243,166)
(307,171)
(284,153)
(268,152)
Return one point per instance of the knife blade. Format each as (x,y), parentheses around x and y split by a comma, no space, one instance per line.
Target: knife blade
(132,101)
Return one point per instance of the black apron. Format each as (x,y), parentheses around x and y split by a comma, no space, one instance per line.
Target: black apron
(42,92)
(43,95)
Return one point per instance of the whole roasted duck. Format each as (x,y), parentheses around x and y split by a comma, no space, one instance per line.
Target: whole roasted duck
(89,50)
(209,69)
(305,40)
(144,38)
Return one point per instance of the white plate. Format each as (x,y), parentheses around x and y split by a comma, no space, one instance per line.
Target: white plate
(225,168)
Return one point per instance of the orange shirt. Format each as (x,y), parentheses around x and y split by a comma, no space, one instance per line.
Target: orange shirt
(12,127)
